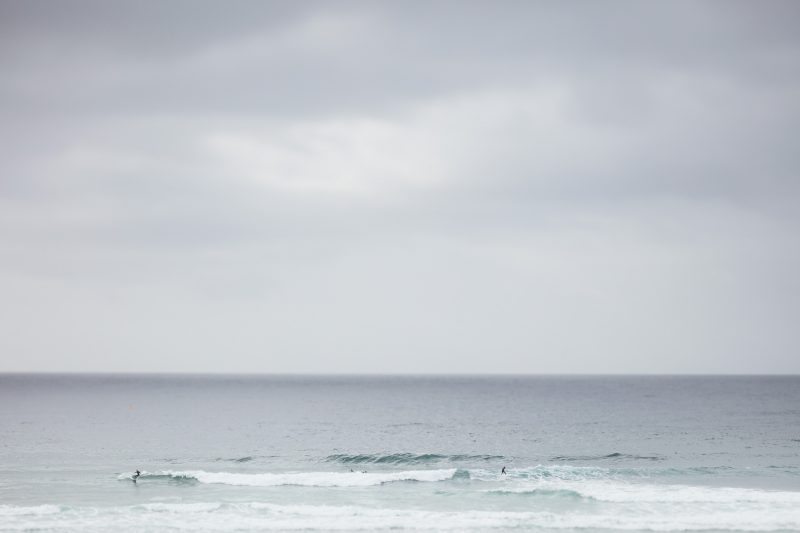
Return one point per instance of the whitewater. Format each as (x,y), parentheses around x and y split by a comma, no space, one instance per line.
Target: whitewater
(554,497)
(307,479)
(417,454)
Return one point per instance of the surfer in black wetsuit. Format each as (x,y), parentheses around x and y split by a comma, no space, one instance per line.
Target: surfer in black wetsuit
(503,471)
(136,475)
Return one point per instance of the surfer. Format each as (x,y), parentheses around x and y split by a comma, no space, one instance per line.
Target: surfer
(503,471)
(136,475)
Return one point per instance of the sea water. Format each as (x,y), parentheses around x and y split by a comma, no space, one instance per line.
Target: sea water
(417,453)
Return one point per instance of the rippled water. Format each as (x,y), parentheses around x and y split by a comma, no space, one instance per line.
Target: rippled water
(291,453)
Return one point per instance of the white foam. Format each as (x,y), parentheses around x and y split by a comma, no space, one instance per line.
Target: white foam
(200,507)
(13,510)
(544,472)
(307,479)
(214,516)
(621,492)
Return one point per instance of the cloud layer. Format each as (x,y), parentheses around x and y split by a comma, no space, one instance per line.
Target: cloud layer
(399,187)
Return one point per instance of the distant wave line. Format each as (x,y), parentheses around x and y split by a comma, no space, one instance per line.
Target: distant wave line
(409,458)
(610,456)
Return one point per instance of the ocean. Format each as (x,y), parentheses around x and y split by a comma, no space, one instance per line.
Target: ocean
(264,453)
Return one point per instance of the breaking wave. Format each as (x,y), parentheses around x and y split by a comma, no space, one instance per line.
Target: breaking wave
(557,472)
(306,479)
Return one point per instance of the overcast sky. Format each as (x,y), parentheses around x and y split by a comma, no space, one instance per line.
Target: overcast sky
(570,187)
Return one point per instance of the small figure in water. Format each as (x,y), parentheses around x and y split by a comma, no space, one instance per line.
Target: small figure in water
(503,471)
(136,475)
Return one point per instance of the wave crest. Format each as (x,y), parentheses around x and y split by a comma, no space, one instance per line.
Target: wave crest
(306,479)
(407,458)
(611,456)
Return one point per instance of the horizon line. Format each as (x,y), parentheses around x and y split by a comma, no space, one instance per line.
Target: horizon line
(384,374)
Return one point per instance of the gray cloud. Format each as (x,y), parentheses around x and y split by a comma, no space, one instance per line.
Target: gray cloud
(410,187)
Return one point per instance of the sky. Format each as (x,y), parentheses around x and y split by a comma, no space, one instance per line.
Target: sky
(400,187)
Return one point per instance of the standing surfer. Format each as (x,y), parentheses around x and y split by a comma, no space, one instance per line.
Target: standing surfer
(136,475)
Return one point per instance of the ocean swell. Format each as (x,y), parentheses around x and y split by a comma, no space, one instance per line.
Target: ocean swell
(408,458)
(616,456)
